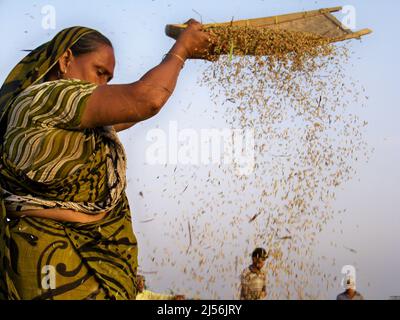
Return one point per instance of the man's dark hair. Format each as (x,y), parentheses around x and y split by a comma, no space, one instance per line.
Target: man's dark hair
(259,253)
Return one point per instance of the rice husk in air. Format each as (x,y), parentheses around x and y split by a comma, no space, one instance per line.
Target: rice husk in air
(292,90)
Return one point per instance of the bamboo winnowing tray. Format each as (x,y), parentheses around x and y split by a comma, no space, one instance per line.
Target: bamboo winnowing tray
(320,22)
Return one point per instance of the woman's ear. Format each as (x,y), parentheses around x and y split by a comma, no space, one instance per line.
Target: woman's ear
(65,60)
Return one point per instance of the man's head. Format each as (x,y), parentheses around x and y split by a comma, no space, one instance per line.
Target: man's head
(350,283)
(259,256)
(90,59)
(141,283)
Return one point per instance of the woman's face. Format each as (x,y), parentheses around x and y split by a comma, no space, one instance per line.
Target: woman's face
(95,67)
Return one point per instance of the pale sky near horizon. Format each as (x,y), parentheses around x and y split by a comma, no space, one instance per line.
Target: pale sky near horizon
(372,223)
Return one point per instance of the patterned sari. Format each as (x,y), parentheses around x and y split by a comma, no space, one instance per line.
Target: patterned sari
(47,162)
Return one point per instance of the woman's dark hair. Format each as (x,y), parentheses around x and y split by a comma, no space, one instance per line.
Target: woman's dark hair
(89,43)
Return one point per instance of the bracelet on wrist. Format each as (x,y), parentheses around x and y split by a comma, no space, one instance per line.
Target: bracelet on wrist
(175,55)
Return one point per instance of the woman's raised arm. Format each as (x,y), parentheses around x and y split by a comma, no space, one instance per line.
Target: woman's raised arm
(140,100)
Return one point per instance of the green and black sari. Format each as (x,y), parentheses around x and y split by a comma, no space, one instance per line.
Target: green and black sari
(47,162)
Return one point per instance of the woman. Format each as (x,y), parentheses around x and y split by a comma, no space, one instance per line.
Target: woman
(65,228)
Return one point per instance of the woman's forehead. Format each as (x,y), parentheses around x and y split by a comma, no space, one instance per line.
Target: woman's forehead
(103,55)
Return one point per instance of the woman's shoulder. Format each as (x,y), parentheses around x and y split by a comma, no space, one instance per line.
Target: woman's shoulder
(58,103)
(50,86)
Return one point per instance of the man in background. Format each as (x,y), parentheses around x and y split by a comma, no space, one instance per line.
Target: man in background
(253,278)
(350,293)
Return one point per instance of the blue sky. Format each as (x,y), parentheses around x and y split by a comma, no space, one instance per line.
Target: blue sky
(136,28)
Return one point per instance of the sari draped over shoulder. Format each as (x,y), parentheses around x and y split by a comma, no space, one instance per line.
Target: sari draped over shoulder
(47,161)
